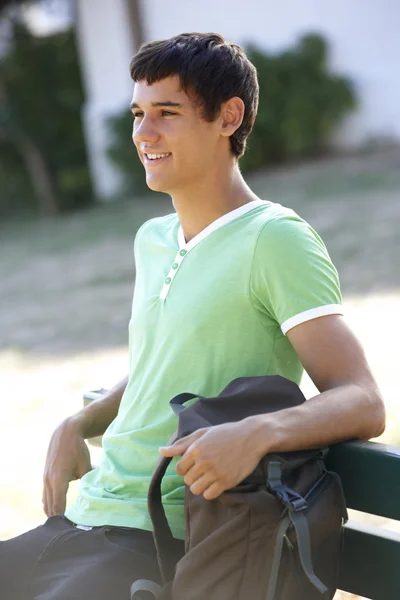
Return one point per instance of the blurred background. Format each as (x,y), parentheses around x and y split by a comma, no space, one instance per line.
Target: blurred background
(72,191)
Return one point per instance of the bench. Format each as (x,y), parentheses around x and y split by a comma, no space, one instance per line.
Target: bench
(370,474)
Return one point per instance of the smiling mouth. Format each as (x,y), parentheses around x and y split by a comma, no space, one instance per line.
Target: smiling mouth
(154,158)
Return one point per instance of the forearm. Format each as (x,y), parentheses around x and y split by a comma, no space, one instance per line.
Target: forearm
(94,419)
(349,411)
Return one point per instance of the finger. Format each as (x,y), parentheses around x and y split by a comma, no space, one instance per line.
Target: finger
(180,446)
(170,451)
(184,464)
(81,471)
(45,501)
(192,474)
(84,464)
(47,497)
(205,482)
(59,499)
(44,498)
(214,491)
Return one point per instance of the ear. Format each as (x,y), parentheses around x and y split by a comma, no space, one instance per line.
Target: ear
(232,113)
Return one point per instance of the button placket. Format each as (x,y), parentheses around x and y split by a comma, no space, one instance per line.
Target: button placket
(185,247)
(172,272)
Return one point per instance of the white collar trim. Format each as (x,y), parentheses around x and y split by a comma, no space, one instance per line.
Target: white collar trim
(184,248)
(220,222)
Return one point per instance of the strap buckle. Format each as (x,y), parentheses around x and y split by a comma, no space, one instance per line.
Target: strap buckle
(291,499)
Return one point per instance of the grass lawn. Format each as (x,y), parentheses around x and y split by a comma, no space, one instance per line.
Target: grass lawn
(66,288)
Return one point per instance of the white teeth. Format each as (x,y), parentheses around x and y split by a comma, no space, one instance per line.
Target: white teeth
(154,156)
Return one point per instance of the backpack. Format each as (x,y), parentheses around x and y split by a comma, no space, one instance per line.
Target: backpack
(276,536)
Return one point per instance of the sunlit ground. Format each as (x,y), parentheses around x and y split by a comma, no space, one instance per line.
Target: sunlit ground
(65,296)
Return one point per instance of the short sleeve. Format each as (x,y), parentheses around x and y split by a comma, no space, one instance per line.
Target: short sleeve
(293,278)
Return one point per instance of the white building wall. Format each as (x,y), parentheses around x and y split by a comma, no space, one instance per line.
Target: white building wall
(106,48)
(365,44)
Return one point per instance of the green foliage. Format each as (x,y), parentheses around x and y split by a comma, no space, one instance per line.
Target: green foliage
(301,104)
(41,101)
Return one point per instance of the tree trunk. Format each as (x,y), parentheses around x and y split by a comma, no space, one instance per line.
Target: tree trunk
(32,157)
(136,23)
(39,174)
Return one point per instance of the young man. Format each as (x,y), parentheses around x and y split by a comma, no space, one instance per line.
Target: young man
(227,286)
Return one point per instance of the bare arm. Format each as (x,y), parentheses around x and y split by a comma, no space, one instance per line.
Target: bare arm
(349,406)
(94,419)
(68,456)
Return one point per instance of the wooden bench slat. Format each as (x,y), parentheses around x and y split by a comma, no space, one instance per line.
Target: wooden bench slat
(370,474)
(370,565)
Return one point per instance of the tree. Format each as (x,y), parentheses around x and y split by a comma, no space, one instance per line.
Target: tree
(136,22)
(30,153)
(12,131)
(40,101)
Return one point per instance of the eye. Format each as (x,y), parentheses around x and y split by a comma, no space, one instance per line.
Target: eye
(167,113)
(137,115)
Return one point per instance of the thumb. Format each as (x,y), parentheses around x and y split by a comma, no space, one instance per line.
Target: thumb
(180,446)
(59,498)
(82,469)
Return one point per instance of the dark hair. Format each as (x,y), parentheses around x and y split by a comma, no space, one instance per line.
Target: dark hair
(214,69)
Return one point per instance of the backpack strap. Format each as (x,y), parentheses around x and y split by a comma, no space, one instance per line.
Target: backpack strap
(304,548)
(300,524)
(276,563)
(162,534)
(295,505)
(178,401)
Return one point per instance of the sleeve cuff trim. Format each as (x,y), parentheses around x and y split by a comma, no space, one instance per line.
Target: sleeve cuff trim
(313,313)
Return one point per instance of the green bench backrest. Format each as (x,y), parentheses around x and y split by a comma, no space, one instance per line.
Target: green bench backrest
(370,474)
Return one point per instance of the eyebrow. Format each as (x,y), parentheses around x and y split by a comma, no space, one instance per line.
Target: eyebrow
(157,104)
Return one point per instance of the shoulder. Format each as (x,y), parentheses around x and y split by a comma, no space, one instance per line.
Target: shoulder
(156,228)
(283,232)
(158,224)
(292,275)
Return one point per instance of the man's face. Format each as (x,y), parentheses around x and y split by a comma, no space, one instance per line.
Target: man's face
(175,144)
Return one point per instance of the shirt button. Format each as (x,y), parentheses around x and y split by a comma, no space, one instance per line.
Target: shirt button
(168,280)
(175,265)
(182,252)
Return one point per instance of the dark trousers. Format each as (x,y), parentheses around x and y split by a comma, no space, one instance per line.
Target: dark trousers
(58,561)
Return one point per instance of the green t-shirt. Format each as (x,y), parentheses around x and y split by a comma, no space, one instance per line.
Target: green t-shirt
(204,312)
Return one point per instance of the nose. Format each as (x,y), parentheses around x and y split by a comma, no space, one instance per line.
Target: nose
(144,131)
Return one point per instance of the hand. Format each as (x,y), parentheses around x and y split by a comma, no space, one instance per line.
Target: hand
(218,458)
(67,459)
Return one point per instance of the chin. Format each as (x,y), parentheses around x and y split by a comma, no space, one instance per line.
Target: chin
(157,185)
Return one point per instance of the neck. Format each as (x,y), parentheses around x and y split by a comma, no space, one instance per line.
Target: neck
(210,199)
